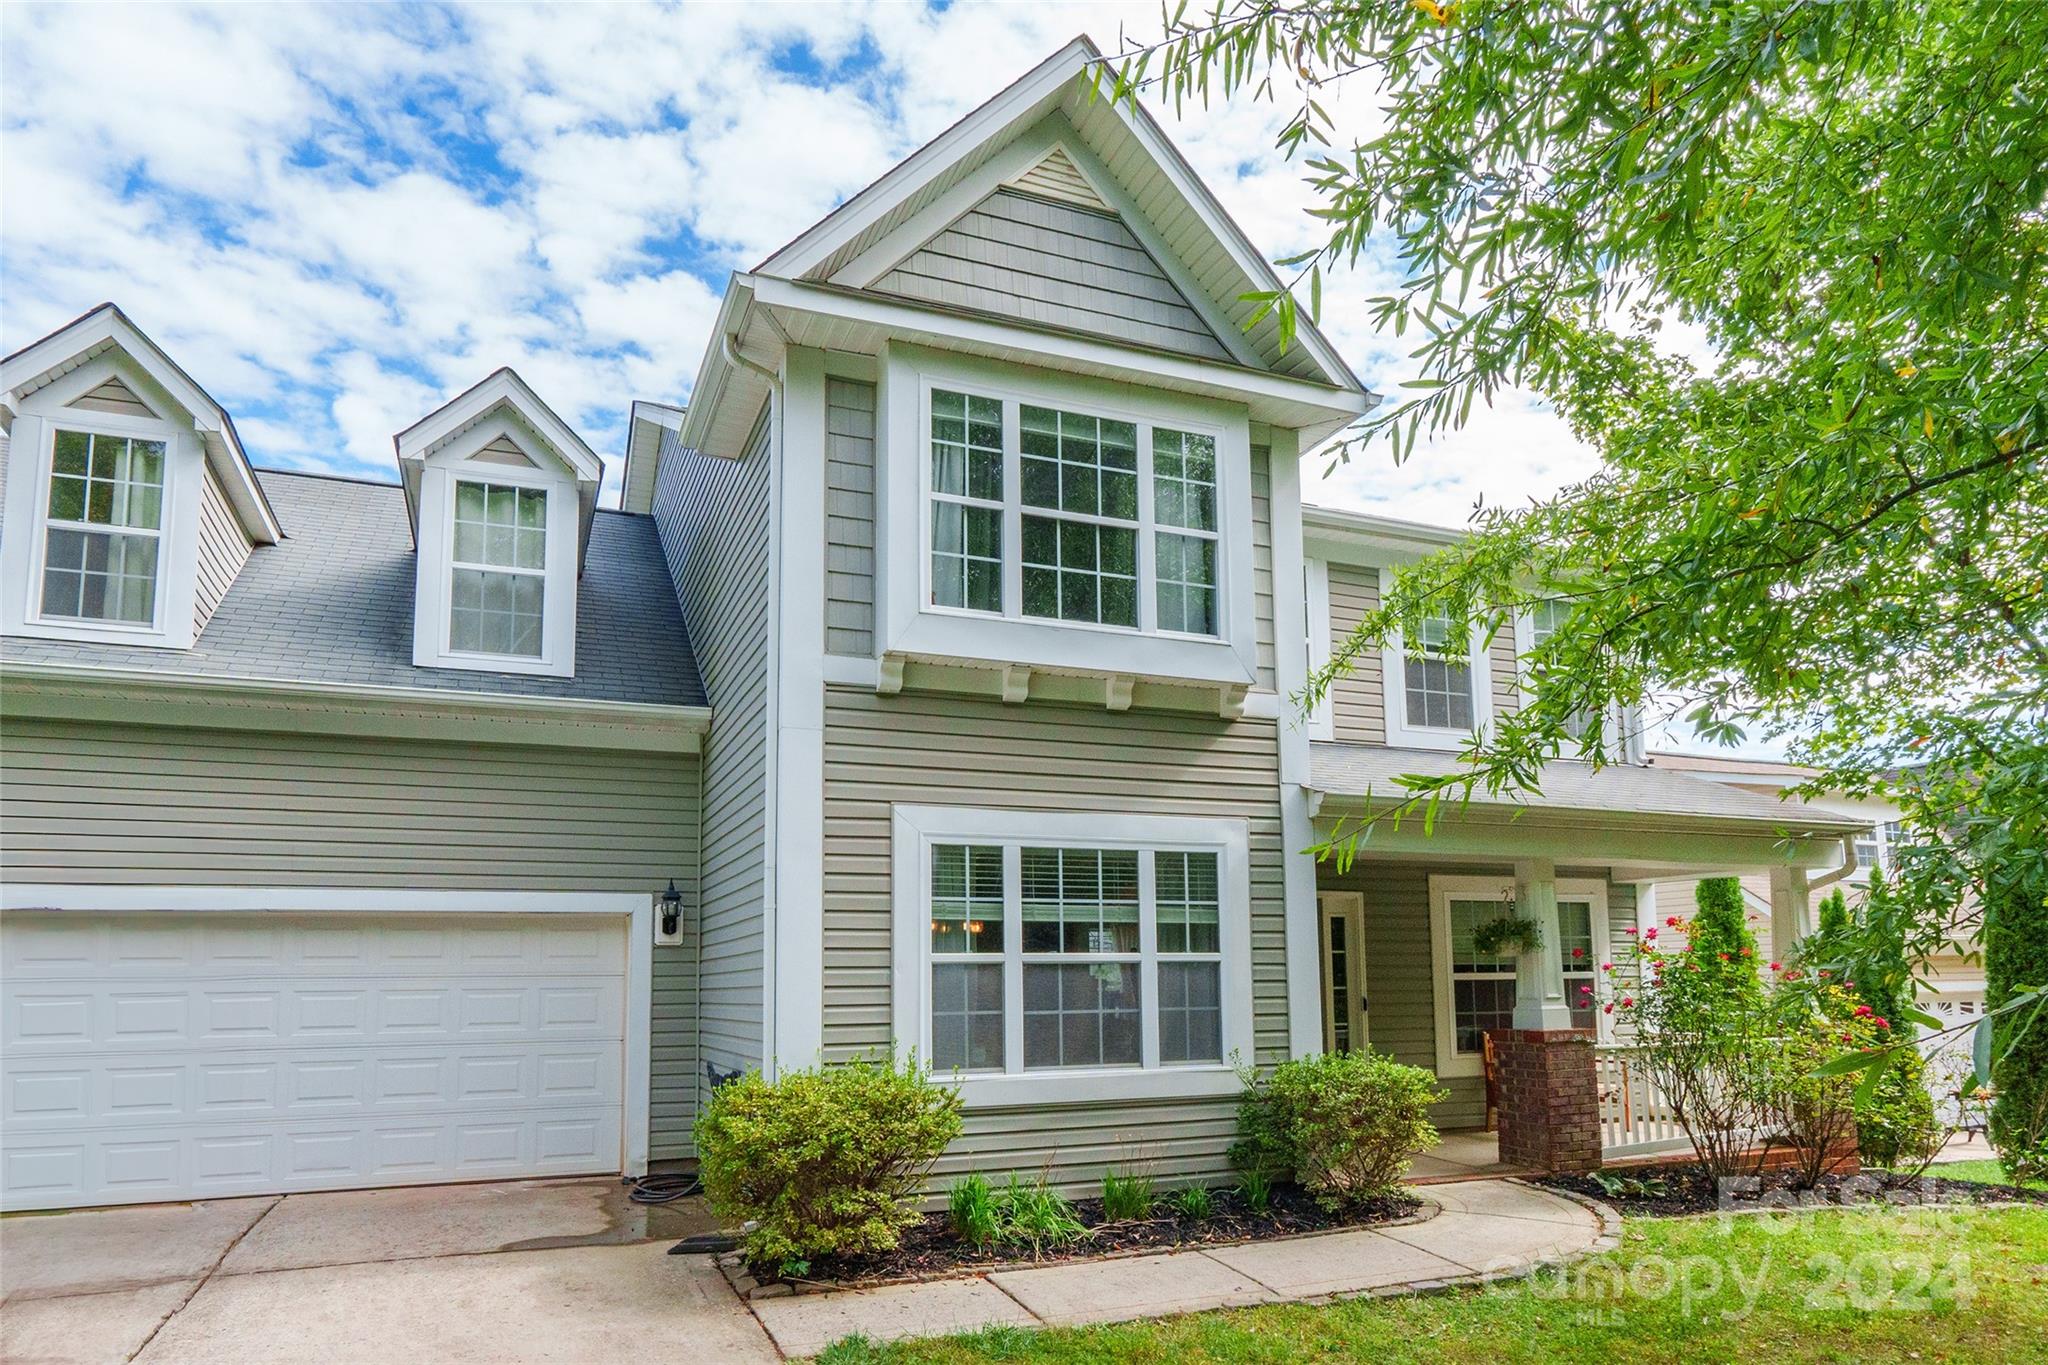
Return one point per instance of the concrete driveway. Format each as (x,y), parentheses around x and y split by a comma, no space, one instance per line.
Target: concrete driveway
(560,1270)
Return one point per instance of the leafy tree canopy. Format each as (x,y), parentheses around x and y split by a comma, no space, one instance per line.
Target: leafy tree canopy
(1836,529)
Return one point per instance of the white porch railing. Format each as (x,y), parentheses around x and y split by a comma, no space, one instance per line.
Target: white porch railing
(1634,1115)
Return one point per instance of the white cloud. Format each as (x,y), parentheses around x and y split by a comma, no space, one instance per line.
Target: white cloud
(337,216)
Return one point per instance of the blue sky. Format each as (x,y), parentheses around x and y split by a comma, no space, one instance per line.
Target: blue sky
(335,217)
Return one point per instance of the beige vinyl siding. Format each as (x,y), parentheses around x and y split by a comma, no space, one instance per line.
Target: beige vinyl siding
(1400,971)
(1505,669)
(1357,705)
(1262,563)
(115,396)
(1056,265)
(223,549)
(849,517)
(136,805)
(943,750)
(713,519)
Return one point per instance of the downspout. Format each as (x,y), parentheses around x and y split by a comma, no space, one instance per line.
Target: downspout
(1847,868)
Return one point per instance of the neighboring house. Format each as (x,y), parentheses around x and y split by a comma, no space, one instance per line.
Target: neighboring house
(942,657)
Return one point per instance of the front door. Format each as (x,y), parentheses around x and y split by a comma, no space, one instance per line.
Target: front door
(1346,1021)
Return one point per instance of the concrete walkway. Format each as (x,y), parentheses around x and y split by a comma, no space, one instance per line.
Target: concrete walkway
(567,1270)
(1486,1229)
(561,1270)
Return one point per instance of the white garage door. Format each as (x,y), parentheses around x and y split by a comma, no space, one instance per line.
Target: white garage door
(178,1056)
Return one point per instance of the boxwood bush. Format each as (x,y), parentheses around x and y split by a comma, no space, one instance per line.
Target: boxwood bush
(823,1162)
(1344,1125)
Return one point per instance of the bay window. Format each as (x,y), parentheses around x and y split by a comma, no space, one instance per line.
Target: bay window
(1036,949)
(1115,519)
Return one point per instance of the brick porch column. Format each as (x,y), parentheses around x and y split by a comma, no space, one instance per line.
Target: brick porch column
(1549,1099)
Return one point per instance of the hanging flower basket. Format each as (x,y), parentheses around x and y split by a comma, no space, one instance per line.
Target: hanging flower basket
(1507,934)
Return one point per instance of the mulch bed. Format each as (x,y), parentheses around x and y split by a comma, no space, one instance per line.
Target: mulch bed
(1687,1190)
(929,1248)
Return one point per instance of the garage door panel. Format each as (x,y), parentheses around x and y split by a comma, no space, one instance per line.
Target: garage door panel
(260,1086)
(230,945)
(52,1018)
(153,1057)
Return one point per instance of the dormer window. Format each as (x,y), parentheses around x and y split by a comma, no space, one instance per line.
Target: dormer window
(503,493)
(498,590)
(102,535)
(130,504)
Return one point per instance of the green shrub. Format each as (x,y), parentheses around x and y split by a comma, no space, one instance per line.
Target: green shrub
(823,1162)
(1193,1203)
(1834,913)
(1815,1115)
(1036,1216)
(1126,1196)
(971,1209)
(1347,1123)
(2015,960)
(1255,1187)
(1722,949)
(1896,1127)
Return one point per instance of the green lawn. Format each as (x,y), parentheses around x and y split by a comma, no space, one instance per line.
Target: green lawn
(1984,1172)
(1919,1285)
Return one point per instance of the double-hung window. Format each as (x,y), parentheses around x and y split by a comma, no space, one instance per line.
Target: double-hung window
(498,584)
(1546,618)
(1048,951)
(1437,676)
(1874,847)
(1040,512)
(1482,984)
(103,537)
(1475,990)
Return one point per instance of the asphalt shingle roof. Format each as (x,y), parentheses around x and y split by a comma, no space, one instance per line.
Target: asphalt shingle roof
(1351,770)
(333,603)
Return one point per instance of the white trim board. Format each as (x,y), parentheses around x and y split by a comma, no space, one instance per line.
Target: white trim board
(1442,889)
(636,907)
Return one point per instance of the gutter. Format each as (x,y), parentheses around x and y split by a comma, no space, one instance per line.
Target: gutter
(150,697)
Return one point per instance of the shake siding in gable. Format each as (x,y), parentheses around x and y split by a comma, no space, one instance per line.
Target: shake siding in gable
(223,549)
(849,517)
(713,519)
(157,806)
(1357,707)
(943,750)
(1055,265)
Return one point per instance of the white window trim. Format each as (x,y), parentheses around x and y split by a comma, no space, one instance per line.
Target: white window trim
(1442,891)
(1322,718)
(432,619)
(1394,672)
(32,443)
(1882,840)
(1624,723)
(917,828)
(910,625)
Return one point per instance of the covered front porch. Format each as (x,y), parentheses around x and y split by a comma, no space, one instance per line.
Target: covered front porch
(1523,1040)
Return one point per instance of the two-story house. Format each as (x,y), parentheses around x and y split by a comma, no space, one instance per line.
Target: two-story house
(941,659)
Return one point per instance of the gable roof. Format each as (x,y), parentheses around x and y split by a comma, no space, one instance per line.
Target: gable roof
(501,391)
(107,327)
(1128,157)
